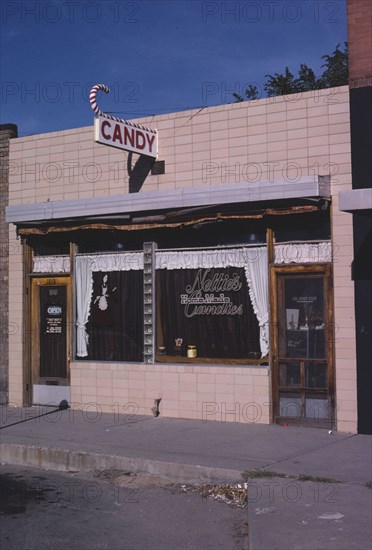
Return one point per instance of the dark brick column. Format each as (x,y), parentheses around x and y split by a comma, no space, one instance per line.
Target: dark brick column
(7,132)
(359,29)
(359,20)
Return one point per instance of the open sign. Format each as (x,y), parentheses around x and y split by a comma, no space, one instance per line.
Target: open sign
(54,310)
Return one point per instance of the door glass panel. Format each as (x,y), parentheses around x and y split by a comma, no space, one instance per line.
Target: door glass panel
(53,332)
(316,406)
(316,375)
(302,375)
(303,318)
(290,405)
(289,374)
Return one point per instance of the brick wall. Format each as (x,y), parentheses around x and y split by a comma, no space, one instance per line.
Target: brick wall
(360,70)
(359,19)
(274,138)
(277,138)
(7,131)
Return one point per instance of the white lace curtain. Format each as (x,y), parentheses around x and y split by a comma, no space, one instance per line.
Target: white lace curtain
(51,264)
(84,268)
(303,253)
(284,254)
(254,262)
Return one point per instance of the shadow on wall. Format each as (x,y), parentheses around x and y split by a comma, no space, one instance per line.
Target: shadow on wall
(139,172)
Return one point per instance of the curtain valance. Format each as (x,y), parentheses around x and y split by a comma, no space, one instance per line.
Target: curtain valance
(284,254)
(303,253)
(195,259)
(51,264)
(112,262)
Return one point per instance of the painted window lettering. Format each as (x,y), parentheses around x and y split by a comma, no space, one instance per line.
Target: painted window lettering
(211,304)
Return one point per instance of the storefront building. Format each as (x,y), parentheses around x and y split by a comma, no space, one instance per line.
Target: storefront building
(212,282)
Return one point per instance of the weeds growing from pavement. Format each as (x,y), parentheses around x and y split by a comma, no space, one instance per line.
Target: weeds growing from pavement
(258,474)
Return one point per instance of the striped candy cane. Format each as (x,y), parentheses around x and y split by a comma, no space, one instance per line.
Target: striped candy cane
(98,112)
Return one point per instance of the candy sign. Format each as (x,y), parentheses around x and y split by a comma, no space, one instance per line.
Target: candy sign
(125,136)
(121,133)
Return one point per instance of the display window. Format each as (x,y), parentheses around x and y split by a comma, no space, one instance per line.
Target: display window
(115,326)
(109,307)
(212,305)
(206,313)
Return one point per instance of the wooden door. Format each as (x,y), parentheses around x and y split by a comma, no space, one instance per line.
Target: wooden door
(302,348)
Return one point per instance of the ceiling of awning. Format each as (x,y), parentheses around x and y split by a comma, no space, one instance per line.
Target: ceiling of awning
(172,219)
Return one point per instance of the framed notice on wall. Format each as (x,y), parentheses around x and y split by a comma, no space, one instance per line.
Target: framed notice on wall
(292,316)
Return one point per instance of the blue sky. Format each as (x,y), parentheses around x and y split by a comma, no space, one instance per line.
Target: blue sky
(157,56)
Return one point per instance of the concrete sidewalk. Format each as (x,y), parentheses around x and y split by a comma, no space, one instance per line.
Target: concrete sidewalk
(190,445)
(337,466)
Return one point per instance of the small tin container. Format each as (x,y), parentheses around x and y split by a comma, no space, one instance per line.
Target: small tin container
(191,351)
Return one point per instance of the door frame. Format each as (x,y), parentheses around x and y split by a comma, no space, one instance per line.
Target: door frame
(36,283)
(276,272)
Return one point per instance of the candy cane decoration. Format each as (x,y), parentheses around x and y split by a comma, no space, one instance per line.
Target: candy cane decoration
(98,112)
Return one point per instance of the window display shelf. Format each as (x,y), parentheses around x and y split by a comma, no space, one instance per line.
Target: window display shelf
(209,360)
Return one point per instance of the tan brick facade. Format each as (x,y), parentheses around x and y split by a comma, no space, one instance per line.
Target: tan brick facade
(269,139)
(259,140)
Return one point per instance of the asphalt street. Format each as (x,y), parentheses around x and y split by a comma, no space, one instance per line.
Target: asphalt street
(44,510)
(306,488)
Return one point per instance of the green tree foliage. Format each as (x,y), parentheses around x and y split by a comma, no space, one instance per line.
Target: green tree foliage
(335,74)
(336,71)
(306,79)
(281,84)
(251,93)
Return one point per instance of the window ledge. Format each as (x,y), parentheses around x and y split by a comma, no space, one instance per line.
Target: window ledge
(215,361)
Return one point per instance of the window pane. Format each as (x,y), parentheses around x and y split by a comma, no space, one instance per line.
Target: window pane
(289,374)
(115,326)
(311,226)
(316,375)
(50,245)
(290,405)
(316,407)
(209,309)
(303,318)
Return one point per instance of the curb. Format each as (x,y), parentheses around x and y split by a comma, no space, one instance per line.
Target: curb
(64,460)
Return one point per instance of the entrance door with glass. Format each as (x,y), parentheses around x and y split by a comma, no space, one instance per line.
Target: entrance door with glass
(303,377)
(50,342)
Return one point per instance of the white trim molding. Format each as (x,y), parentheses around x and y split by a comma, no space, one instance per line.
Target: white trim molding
(355,199)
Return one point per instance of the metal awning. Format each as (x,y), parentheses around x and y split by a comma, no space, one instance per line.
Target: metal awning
(314,187)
